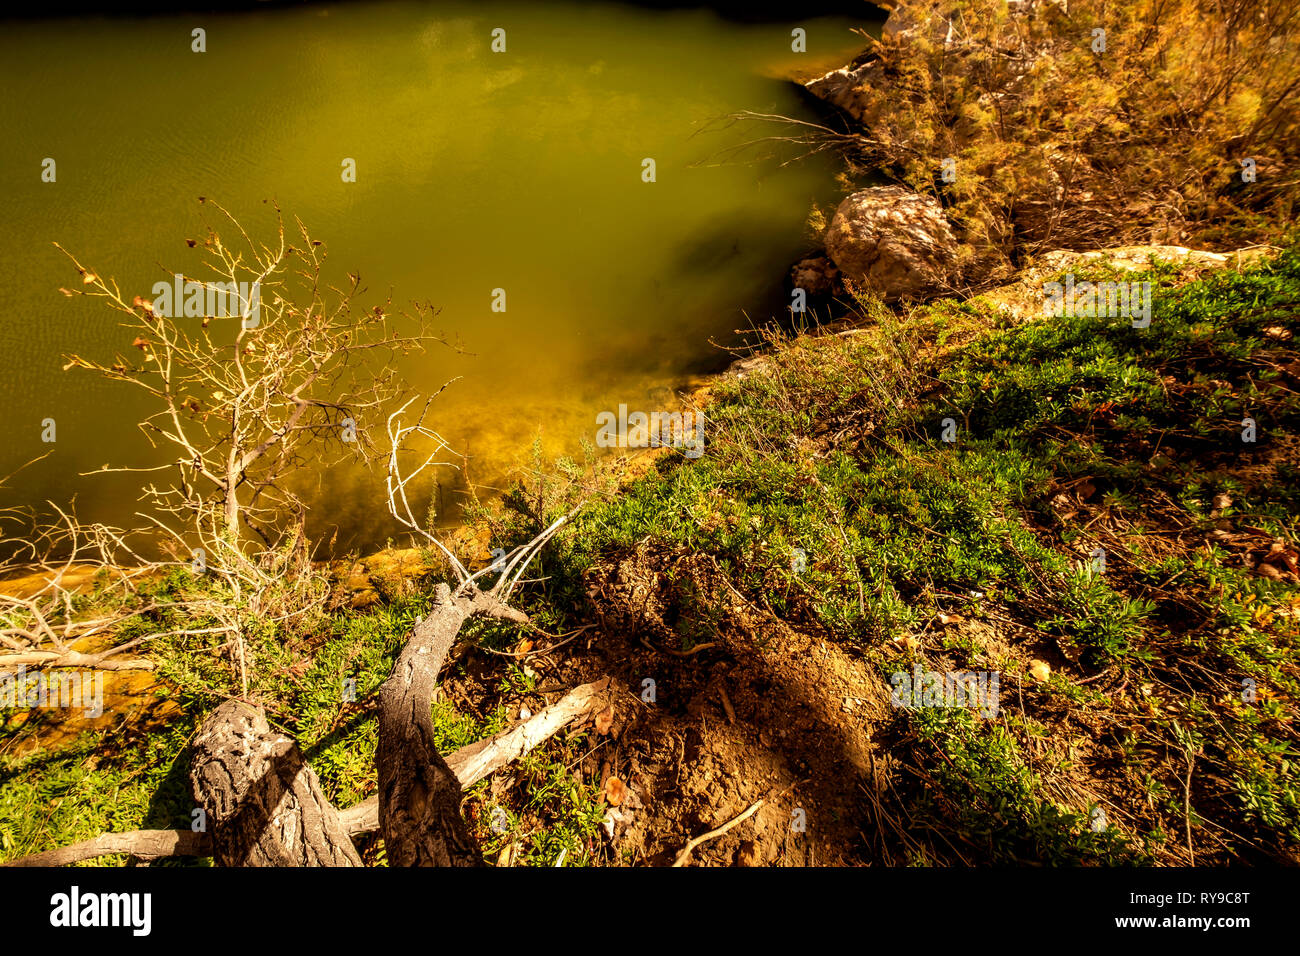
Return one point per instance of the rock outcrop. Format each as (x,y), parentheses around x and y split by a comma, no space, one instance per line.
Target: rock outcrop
(1022,299)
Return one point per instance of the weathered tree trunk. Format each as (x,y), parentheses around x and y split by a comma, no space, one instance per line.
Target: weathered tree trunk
(419,796)
(263,803)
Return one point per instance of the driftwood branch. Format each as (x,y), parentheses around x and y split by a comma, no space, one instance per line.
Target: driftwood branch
(141,844)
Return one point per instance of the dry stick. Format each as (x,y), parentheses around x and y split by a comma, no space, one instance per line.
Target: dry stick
(143,844)
(676,653)
(74,659)
(714,834)
(541,650)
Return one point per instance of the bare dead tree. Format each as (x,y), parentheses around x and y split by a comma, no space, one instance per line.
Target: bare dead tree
(242,406)
(419,796)
(260,370)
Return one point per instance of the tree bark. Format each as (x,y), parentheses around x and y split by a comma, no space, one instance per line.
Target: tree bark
(470,764)
(419,796)
(264,804)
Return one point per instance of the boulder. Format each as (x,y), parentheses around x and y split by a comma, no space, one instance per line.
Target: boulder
(815,275)
(894,242)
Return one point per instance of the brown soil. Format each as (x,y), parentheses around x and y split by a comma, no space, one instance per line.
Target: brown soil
(797,734)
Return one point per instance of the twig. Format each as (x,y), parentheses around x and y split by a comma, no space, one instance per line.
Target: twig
(676,653)
(714,834)
(545,650)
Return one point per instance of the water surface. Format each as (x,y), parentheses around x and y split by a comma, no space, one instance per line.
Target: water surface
(475,171)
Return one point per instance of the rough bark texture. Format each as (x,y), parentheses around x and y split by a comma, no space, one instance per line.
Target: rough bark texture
(470,764)
(419,795)
(263,802)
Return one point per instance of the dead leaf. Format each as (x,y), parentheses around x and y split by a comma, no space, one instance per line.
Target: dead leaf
(1040,670)
(605,720)
(908,642)
(1268,571)
(615,791)
(1222,501)
(946,619)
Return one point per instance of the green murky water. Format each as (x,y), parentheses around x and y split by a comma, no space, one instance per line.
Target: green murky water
(475,171)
